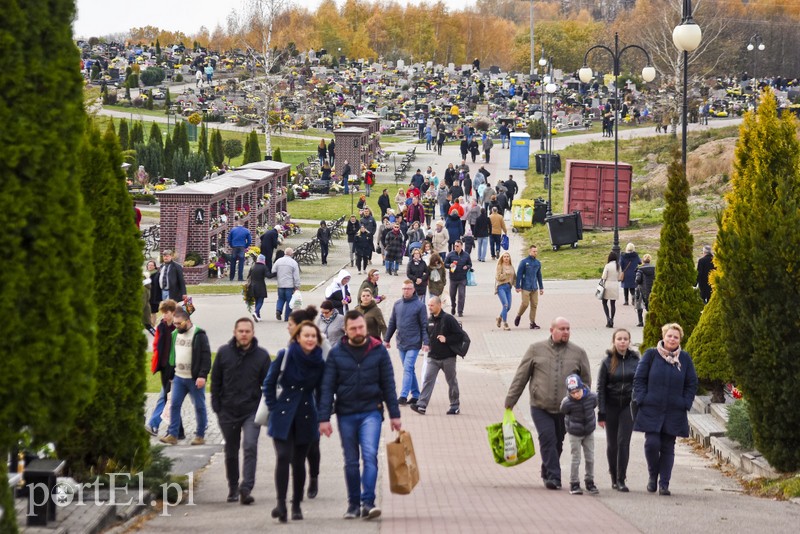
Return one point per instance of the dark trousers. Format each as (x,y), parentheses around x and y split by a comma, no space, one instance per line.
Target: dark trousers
(232,430)
(610,315)
(619,427)
(323,250)
(314,458)
(659,451)
(458,289)
(361,261)
(494,245)
(237,257)
(628,291)
(287,453)
(551,430)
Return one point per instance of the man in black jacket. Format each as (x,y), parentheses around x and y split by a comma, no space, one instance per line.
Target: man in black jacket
(704,267)
(269,242)
(236,378)
(384,203)
(443,331)
(170,279)
(512,187)
(458,262)
(324,238)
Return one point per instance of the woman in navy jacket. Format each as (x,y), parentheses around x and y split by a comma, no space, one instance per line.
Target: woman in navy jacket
(663,392)
(293,421)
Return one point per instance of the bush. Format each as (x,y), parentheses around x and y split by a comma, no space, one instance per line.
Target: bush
(144,197)
(739,428)
(289,194)
(276,155)
(232,148)
(536,129)
(152,76)
(178,78)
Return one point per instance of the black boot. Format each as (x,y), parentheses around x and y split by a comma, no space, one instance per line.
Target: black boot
(313,487)
(651,484)
(614,483)
(621,486)
(279,512)
(297,513)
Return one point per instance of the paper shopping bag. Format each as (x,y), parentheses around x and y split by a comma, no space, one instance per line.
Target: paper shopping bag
(403,471)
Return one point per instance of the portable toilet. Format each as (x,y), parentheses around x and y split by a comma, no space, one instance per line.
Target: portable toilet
(520,151)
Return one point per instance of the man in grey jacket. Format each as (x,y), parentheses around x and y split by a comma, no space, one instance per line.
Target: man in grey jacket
(288,277)
(546,366)
(410,320)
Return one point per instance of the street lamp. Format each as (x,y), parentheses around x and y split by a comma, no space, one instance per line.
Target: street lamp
(686,36)
(550,87)
(648,75)
(755,43)
(543,64)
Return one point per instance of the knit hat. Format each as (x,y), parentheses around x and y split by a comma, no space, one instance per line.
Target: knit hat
(574,383)
(261,259)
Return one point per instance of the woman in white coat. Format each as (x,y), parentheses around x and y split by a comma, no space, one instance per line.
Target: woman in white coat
(440,239)
(611,293)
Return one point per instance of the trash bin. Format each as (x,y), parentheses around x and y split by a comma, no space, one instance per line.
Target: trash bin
(541,163)
(565,229)
(40,477)
(539,210)
(522,213)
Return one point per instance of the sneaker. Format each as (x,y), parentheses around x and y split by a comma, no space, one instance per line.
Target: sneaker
(575,488)
(402,401)
(169,440)
(517,319)
(419,409)
(591,488)
(370,511)
(664,490)
(454,411)
(551,484)
(256,318)
(198,440)
(651,485)
(499,321)
(352,512)
(278,315)
(152,430)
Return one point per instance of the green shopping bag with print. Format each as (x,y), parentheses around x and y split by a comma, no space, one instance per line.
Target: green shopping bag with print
(511,443)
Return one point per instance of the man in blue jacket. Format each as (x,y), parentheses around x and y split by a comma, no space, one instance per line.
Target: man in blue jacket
(239,239)
(358,372)
(410,320)
(529,281)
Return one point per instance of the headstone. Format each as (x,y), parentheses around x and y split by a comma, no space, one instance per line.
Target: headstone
(401,64)
(451,68)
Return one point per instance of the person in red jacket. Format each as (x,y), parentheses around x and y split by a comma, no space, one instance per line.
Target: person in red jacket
(457,207)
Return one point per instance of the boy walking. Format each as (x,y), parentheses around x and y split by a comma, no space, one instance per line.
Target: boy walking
(578,407)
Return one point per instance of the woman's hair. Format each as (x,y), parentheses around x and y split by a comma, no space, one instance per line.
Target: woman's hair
(306,324)
(153,262)
(326,305)
(646,258)
(371,272)
(168,305)
(365,290)
(614,355)
(612,256)
(499,268)
(630,247)
(321,143)
(435,261)
(307,314)
(671,326)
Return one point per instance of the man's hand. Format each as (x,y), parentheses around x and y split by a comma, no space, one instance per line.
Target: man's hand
(200,383)
(419,281)
(441,338)
(602,424)
(519,290)
(326,429)
(541,291)
(387,344)
(395,423)
(425,348)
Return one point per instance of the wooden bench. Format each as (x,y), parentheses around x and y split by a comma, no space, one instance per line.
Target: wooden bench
(40,477)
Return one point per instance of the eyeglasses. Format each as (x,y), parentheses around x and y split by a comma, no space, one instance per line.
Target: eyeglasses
(179,325)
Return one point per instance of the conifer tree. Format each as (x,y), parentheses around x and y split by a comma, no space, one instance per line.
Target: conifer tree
(110,426)
(673,298)
(180,138)
(217,150)
(124,137)
(202,145)
(252,152)
(169,152)
(137,135)
(155,135)
(757,250)
(47,306)
(276,155)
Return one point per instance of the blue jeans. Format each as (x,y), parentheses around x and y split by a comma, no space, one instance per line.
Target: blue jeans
(504,294)
(155,419)
(165,294)
(410,384)
(483,245)
(284,296)
(259,304)
(494,240)
(237,256)
(391,266)
(360,431)
(180,388)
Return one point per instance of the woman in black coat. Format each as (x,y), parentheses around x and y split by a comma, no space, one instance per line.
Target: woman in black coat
(363,248)
(352,229)
(664,387)
(293,422)
(614,391)
(258,284)
(393,249)
(417,272)
(474,149)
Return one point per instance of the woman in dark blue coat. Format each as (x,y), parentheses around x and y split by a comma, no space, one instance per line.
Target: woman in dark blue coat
(293,421)
(663,392)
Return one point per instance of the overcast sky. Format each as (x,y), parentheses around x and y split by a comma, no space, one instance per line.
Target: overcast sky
(101,17)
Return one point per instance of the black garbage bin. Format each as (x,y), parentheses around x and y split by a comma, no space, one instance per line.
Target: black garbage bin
(565,229)
(539,210)
(40,477)
(541,163)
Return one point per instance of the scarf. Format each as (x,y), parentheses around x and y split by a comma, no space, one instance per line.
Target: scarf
(300,367)
(672,358)
(330,319)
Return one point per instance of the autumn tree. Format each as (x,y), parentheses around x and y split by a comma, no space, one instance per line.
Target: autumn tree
(756,250)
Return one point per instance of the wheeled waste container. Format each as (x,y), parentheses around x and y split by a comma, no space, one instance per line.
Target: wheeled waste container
(522,213)
(565,229)
(539,210)
(541,163)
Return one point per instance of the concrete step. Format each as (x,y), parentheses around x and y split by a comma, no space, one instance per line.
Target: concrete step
(720,411)
(727,451)
(702,427)
(701,404)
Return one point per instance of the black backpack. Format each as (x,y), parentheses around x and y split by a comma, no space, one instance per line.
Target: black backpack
(462,347)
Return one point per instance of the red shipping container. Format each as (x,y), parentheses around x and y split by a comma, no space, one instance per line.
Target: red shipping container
(589,188)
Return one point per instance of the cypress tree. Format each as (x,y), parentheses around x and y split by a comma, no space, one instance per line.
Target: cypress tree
(155,135)
(276,155)
(252,152)
(673,299)
(110,428)
(217,150)
(202,145)
(756,250)
(169,152)
(124,138)
(180,138)
(48,270)
(137,135)
(167,101)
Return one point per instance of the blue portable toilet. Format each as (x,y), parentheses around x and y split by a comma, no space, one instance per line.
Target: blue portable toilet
(520,151)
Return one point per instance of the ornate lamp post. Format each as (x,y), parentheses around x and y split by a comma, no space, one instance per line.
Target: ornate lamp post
(755,44)
(550,88)
(686,36)
(648,75)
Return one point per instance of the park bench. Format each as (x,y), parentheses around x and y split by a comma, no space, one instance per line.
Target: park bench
(40,477)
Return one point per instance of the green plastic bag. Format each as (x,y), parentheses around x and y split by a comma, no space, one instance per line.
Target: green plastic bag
(521,437)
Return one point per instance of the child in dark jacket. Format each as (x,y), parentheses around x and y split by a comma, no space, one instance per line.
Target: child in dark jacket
(578,407)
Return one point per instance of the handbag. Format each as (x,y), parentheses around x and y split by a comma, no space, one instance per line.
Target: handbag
(262,414)
(504,242)
(600,289)
(511,443)
(403,470)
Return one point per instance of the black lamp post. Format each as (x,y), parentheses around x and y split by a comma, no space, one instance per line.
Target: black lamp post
(543,64)
(755,44)
(648,75)
(550,88)
(686,36)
